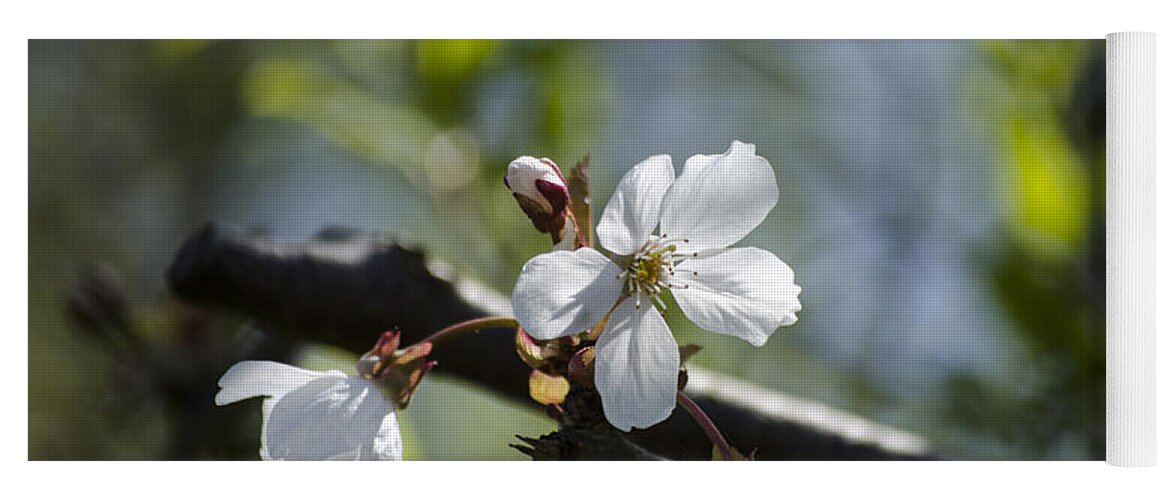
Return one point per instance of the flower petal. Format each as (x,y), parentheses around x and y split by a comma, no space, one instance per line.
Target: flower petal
(633,210)
(719,199)
(249,379)
(562,293)
(637,367)
(745,292)
(388,443)
(332,417)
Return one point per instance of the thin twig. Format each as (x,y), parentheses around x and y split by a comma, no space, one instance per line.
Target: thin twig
(707,425)
(471,325)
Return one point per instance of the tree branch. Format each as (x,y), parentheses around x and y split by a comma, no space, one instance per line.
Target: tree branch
(345,288)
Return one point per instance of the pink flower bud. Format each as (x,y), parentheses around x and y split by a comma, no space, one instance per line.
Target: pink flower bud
(540,189)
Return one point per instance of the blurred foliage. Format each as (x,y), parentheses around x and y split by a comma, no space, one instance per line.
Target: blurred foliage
(133,144)
(1049,272)
(131,149)
(421,118)
(1049,186)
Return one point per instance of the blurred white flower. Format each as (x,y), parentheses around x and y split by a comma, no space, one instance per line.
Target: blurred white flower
(745,292)
(310,415)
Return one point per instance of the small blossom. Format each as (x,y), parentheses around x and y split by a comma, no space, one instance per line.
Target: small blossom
(310,415)
(540,189)
(746,292)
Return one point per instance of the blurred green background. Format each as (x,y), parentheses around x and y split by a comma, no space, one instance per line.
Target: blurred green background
(941,204)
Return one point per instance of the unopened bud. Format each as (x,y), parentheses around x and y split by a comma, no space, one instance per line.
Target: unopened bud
(547,389)
(540,189)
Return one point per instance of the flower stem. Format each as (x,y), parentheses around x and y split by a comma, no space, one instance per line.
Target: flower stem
(579,238)
(470,326)
(707,425)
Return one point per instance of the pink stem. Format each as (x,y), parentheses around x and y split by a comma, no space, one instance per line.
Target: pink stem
(707,425)
(471,325)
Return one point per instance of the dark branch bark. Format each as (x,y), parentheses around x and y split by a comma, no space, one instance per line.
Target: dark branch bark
(345,288)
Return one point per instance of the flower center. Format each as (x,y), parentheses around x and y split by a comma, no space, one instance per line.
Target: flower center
(649,272)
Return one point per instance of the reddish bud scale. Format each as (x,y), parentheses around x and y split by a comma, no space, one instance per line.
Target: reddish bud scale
(581,367)
(398,370)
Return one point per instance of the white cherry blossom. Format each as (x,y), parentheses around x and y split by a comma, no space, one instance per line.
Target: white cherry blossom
(310,415)
(745,292)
